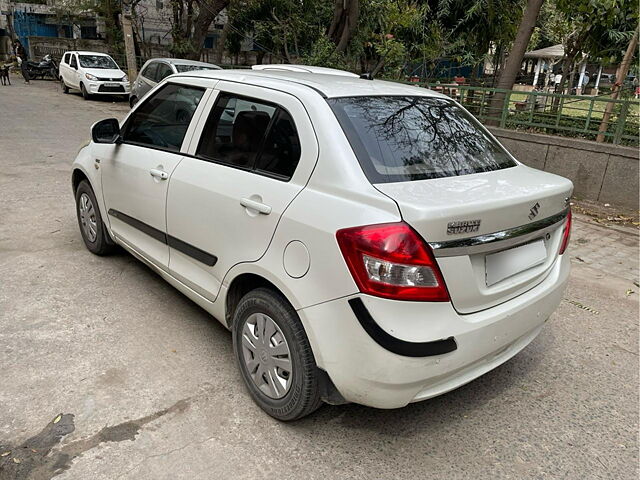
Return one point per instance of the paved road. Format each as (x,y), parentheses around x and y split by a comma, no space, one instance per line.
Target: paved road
(147,388)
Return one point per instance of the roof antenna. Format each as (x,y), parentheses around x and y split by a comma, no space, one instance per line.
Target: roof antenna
(366,76)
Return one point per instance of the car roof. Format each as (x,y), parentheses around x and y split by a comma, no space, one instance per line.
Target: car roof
(304,68)
(83,52)
(328,85)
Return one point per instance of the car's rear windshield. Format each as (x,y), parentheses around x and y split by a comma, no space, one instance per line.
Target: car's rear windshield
(97,61)
(400,139)
(190,68)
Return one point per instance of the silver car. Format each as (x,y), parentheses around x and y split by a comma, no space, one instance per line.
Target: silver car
(156,69)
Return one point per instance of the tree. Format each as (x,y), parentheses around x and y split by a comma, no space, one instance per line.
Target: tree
(77,12)
(344,23)
(190,22)
(516,54)
(621,74)
(288,29)
(208,11)
(598,28)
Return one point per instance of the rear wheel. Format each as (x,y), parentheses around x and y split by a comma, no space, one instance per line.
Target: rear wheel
(84,92)
(274,356)
(65,89)
(93,231)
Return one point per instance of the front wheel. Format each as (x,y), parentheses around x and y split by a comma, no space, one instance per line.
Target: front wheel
(93,231)
(274,356)
(84,92)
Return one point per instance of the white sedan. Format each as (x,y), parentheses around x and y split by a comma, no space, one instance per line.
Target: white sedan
(364,241)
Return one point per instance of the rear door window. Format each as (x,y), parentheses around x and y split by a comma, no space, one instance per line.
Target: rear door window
(163,72)
(150,72)
(66,58)
(400,139)
(235,130)
(281,151)
(162,120)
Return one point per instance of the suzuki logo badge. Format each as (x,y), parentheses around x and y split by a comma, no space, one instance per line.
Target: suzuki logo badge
(533,212)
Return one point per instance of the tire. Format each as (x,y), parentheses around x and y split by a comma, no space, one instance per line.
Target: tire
(99,242)
(65,89)
(84,92)
(301,395)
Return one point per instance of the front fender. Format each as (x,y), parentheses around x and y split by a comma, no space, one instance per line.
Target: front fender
(86,163)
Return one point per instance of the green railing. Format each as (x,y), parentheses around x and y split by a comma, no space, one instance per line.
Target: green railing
(551,113)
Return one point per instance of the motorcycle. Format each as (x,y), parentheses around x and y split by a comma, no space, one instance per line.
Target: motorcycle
(47,67)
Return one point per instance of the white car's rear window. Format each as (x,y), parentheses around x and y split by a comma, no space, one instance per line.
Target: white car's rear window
(399,139)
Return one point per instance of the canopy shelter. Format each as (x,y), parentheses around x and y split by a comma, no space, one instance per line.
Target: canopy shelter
(553,54)
(547,55)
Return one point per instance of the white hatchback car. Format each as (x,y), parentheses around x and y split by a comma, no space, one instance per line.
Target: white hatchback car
(364,241)
(93,73)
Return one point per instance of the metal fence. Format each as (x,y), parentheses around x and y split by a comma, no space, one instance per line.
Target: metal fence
(552,113)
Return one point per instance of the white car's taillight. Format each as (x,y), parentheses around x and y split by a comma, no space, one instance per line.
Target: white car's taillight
(391,260)
(566,234)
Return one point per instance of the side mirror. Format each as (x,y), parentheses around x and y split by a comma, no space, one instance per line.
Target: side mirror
(106,131)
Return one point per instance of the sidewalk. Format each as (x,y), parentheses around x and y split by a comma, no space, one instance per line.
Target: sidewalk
(611,249)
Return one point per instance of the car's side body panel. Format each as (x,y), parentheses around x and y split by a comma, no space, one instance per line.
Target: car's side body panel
(212,192)
(336,196)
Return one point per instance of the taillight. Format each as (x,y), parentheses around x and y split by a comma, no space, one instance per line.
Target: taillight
(566,234)
(390,260)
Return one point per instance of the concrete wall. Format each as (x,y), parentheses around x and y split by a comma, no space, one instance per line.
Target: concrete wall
(599,171)
(56,46)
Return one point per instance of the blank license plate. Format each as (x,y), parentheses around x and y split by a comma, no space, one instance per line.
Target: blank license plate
(507,263)
(112,84)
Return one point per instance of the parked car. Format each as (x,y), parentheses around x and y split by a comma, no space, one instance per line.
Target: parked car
(607,79)
(364,241)
(93,73)
(157,69)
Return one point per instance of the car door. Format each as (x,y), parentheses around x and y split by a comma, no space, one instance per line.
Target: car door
(64,65)
(73,75)
(252,154)
(146,79)
(135,173)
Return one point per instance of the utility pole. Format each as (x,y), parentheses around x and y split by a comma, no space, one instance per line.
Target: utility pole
(129,47)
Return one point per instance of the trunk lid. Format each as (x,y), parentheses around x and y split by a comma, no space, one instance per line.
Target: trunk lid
(522,206)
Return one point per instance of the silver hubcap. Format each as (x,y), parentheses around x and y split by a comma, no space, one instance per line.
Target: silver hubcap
(88,218)
(266,355)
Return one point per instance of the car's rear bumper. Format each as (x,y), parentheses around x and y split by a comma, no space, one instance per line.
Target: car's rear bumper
(365,371)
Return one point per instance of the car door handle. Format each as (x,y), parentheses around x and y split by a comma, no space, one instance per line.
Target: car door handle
(161,174)
(253,205)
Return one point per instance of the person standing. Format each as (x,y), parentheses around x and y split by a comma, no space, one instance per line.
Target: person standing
(21,54)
